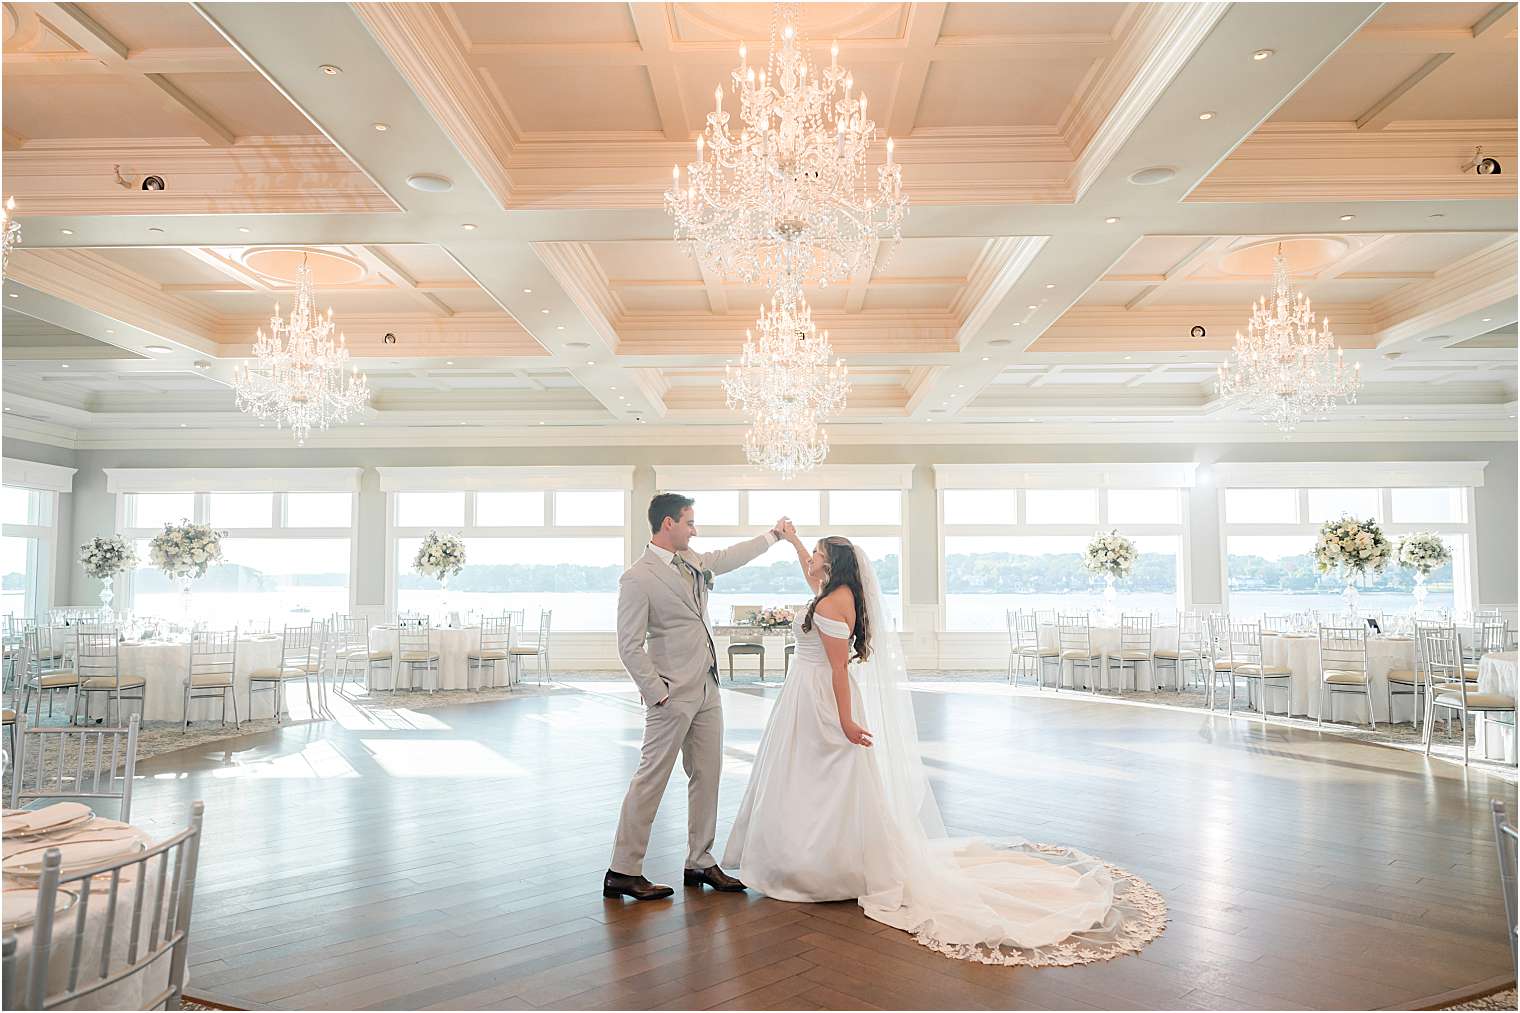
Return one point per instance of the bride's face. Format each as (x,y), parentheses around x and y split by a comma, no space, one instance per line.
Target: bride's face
(818,565)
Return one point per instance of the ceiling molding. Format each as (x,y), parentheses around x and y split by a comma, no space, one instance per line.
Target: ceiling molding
(508,477)
(1472,283)
(1349,474)
(1125,475)
(826,476)
(120,480)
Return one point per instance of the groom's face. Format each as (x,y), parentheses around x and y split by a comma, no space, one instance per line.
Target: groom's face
(683,530)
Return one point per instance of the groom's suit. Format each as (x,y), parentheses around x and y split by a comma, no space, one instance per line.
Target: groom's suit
(667,647)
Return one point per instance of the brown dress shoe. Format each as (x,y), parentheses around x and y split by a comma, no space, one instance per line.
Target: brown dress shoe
(618,885)
(714,877)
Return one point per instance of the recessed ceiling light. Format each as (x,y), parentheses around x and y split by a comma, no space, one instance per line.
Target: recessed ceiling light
(1000,342)
(1111,221)
(1262,54)
(448,362)
(63,365)
(527,291)
(960,386)
(1050,284)
(986,358)
(1438,215)
(559,327)
(110,330)
(361,423)
(463,423)
(545,312)
(1347,218)
(14,295)
(590,362)
(155,228)
(1206,115)
(330,70)
(1033,306)
(1487,320)
(184,425)
(1406,418)
(542,422)
(244,229)
(578,345)
(1128,357)
(67,232)
(429,182)
(160,349)
(382,127)
(468,226)
(612,388)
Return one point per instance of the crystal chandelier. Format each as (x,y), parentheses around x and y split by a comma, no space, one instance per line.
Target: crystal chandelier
(788,383)
(297,377)
(1283,369)
(10,233)
(786,197)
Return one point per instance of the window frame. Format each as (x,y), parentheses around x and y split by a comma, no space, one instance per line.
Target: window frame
(42,550)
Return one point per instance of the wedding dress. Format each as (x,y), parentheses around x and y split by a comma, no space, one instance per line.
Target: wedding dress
(823,819)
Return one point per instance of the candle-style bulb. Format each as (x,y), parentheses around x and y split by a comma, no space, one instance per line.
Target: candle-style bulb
(889,151)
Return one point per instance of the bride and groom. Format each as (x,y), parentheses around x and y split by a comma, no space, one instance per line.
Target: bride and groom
(838,805)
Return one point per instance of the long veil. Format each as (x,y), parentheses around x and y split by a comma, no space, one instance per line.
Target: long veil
(1000,902)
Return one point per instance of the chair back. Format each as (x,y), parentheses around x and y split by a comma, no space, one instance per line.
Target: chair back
(41,656)
(153,911)
(1276,624)
(213,652)
(415,635)
(1343,649)
(97,657)
(1492,635)
(1191,632)
(544,616)
(349,633)
(1219,636)
(1074,633)
(296,645)
(496,633)
(1011,618)
(74,762)
(1508,842)
(259,626)
(1135,633)
(1440,650)
(1028,624)
(1244,642)
(1045,617)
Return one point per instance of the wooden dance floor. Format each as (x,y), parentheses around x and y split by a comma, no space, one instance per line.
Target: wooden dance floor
(452,859)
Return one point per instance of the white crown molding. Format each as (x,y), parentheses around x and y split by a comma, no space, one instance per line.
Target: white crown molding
(506,477)
(1349,474)
(37,475)
(1471,284)
(121,480)
(828,476)
(1127,475)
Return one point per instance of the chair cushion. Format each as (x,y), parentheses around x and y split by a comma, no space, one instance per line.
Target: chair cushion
(276,674)
(488,655)
(1132,655)
(1167,654)
(1263,671)
(734,649)
(210,681)
(1079,655)
(525,651)
(418,656)
(106,682)
(1404,676)
(1475,701)
(52,680)
(1340,677)
(1039,652)
(9,715)
(368,656)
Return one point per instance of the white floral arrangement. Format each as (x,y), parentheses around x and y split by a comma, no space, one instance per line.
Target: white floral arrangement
(1352,546)
(439,556)
(185,550)
(773,617)
(103,558)
(1423,552)
(1111,555)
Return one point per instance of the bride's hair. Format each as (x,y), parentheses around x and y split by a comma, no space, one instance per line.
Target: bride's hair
(844,572)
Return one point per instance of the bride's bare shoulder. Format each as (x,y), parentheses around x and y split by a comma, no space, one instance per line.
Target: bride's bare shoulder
(838,605)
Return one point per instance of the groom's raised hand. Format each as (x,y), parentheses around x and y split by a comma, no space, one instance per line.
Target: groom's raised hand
(780,530)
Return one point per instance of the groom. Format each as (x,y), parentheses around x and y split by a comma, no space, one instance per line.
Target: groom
(662,599)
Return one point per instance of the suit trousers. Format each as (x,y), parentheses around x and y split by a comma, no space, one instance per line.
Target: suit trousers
(693,728)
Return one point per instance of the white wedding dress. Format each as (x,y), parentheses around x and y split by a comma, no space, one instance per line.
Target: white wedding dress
(823,820)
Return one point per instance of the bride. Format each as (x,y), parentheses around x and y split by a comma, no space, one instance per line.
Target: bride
(839,806)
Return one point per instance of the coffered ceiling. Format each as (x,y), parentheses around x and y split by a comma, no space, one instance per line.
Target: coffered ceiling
(1046,286)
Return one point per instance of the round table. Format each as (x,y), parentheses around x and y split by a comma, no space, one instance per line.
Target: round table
(134,992)
(1106,640)
(1299,652)
(452,644)
(165,664)
(1496,674)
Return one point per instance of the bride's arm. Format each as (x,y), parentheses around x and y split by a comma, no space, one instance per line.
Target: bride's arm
(838,651)
(803,556)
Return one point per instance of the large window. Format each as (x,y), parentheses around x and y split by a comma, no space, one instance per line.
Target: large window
(1269,538)
(559,550)
(286,556)
(1020,548)
(26,546)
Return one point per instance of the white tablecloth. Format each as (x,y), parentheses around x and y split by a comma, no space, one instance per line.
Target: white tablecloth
(1106,639)
(130,994)
(452,669)
(165,664)
(1301,655)
(1496,673)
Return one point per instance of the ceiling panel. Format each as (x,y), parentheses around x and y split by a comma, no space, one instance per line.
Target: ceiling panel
(591,97)
(1026,92)
(154,25)
(542,23)
(980,20)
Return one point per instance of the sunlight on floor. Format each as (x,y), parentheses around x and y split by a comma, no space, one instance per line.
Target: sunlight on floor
(316,761)
(440,758)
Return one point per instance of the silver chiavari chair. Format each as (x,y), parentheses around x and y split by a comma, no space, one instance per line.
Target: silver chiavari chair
(1507,840)
(44,671)
(1221,659)
(1245,650)
(75,763)
(211,670)
(538,650)
(1276,624)
(99,665)
(1074,635)
(1030,651)
(147,897)
(300,658)
(1190,638)
(495,647)
(1343,668)
(356,655)
(414,637)
(1452,692)
(1015,660)
(1136,645)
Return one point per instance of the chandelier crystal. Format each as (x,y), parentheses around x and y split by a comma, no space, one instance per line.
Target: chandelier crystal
(783,194)
(10,233)
(788,383)
(298,378)
(1287,368)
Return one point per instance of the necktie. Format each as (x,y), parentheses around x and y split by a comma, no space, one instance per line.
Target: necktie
(690,573)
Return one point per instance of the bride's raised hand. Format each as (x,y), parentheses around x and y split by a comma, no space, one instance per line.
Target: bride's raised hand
(855,733)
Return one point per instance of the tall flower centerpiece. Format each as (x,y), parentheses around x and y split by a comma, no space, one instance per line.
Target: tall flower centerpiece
(1422,552)
(1113,556)
(103,559)
(184,552)
(1352,548)
(440,557)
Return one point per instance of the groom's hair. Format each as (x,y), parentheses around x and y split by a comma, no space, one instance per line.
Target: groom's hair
(666,504)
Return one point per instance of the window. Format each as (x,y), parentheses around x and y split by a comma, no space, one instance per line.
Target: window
(803,506)
(1023,548)
(286,557)
(26,548)
(557,550)
(1270,536)
(716,507)
(865,506)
